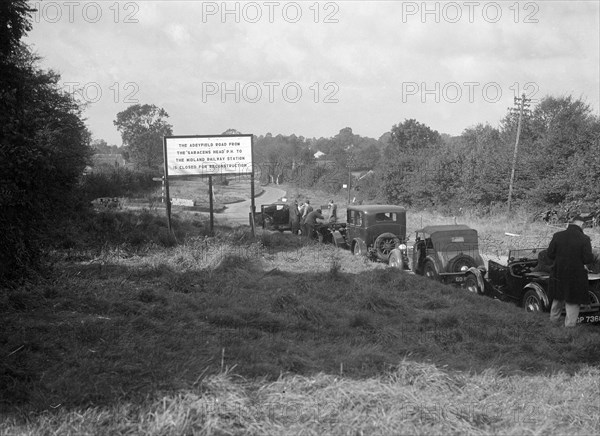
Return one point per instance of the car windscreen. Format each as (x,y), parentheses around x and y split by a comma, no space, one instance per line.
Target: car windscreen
(526,253)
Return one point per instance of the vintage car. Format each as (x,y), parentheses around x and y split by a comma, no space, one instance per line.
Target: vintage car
(450,254)
(376,231)
(524,280)
(274,216)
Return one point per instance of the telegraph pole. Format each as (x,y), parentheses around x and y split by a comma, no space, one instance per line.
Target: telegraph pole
(523,105)
(350,164)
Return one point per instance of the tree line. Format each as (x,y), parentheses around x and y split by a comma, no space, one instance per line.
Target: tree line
(558,161)
(414,165)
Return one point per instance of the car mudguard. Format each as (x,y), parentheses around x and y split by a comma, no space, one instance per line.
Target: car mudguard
(338,239)
(540,291)
(433,260)
(403,256)
(479,276)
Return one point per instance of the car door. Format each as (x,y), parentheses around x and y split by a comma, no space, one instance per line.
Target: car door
(354,224)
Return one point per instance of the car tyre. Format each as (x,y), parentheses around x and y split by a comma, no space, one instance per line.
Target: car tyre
(532,302)
(384,244)
(396,260)
(356,250)
(429,270)
(594,296)
(471,284)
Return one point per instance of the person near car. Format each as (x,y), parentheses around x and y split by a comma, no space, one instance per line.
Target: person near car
(570,250)
(294,217)
(311,222)
(332,211)
(304,211)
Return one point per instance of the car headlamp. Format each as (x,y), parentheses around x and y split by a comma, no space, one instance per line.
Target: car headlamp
(464,268)
(402,247)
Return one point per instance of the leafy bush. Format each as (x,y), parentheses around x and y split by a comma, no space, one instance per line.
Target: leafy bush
(118,182)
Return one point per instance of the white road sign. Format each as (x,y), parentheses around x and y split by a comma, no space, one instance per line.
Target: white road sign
(206,155)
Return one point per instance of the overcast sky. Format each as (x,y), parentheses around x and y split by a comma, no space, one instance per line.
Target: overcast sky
(313,68)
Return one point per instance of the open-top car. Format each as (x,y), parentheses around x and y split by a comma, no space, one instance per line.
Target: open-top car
(450,254)
(378,232)
(525,278)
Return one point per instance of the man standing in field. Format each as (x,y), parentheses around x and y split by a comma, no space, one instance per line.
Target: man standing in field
(570,250)
(332,212)
(294,217)
(305,209)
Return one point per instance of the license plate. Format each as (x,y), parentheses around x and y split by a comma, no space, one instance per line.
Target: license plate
(588,318)
(459,279)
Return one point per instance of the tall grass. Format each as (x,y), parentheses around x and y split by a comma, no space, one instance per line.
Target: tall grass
(412,398)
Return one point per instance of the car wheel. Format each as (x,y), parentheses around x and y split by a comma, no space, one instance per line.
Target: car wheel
(471,284)
(532,302)
(429,270)
(384,244)
(356,250)
(396,260)
(594,296)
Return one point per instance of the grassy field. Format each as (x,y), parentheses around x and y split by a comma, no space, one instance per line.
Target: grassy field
(230,335)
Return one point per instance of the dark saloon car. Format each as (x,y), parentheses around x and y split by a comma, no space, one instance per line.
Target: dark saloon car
(377,230)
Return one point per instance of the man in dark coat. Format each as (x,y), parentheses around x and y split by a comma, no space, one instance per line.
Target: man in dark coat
(294,217)
(570,250)
(305,209)
(311,222)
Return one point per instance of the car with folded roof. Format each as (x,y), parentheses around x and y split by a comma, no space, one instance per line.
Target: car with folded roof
(525,278)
